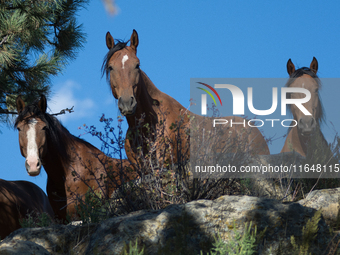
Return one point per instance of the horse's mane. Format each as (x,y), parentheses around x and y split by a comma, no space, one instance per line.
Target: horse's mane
(319,116)
(118,46)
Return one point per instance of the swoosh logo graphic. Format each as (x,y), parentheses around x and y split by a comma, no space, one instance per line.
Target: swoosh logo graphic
(209,93)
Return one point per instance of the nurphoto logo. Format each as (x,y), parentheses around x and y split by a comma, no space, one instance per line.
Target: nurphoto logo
(238,107)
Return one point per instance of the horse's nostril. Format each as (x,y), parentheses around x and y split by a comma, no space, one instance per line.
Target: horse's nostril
(132,100)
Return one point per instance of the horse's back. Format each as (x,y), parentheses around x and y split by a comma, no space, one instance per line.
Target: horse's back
(120,171)
(257,143)
(233,134)
(96,167)
(17,199)
(41,202)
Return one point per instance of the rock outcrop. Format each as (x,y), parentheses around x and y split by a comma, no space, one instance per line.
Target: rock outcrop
(326,200)
(192,227)
(178,229)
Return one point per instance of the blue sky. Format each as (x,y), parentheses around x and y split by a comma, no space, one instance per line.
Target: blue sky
(179,40)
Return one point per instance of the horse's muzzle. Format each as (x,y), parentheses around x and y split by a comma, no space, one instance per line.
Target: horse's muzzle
(33,169)
(307,125)
(127,106)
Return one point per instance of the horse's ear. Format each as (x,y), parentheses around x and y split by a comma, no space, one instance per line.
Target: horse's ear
(110,42)
(42,104)
(20,104)
(134,40)
(314,65)
(290,67)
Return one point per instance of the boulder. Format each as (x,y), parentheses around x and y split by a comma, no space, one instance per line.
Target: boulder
(326,200)
(19,247)
(183,229)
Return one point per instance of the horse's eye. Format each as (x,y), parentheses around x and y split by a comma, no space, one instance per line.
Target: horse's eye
(45,128)
(18,129)
(137,66)
(110,68)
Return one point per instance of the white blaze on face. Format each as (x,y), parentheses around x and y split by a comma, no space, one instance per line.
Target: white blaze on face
(124,59)
(32,148)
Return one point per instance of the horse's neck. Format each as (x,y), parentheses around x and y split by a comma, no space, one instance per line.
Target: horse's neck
(304,141)
(316,140)
(58,159)
(163,100)
(146,108)
(152,90)
(154,106)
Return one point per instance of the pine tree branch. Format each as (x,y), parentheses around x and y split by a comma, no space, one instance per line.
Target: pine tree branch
(37,40)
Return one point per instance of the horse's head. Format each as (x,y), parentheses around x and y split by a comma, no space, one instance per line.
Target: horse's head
(32,133)
(122,70)
(305,78)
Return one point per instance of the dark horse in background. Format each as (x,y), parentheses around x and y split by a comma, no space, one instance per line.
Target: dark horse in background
(140,100)
(300,137)
(17,199)
(73,166)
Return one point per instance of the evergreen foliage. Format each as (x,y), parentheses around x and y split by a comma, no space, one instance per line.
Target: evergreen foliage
(37,39)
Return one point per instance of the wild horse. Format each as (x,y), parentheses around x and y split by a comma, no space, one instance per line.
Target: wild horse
(147,108)
(17,199)
(73,166)
(307,127)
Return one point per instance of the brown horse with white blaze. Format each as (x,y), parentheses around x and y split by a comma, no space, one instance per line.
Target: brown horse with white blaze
(307,126)
(73,166)
(139,99)
(17,199)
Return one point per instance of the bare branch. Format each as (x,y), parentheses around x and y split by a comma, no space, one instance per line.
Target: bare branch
(5,111)
(63,111)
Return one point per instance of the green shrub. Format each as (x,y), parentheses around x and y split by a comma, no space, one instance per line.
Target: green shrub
(94,208)
(132,249)
(34,220)
(309,233)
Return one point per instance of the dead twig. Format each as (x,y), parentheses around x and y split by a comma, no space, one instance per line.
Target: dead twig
(63,111)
